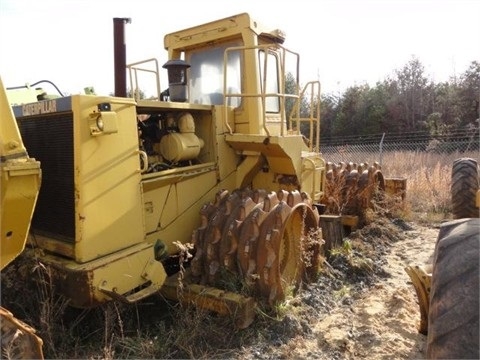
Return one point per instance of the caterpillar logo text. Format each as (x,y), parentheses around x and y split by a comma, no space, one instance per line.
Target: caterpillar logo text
(42,107)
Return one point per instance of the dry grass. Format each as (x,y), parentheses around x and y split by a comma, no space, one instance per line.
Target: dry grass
(428,181)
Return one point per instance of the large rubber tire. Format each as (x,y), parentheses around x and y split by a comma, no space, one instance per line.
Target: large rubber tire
(464,188)
(453,326)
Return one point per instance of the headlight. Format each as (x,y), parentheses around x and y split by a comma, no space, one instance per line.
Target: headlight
(103,123)
(100,125)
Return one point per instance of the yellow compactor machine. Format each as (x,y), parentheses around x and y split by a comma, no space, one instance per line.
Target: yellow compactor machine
(217,160)
(20,178)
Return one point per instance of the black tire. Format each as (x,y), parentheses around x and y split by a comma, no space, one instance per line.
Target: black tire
(453,326)
(464,188)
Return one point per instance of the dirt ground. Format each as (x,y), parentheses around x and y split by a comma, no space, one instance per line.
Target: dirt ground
(383,323)
(374,317)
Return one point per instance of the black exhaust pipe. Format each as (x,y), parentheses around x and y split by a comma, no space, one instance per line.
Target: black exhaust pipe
(120,56)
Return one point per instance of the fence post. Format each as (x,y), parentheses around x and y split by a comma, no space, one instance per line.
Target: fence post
(381,148)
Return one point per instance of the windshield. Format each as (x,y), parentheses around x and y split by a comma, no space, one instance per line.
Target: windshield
(206,75)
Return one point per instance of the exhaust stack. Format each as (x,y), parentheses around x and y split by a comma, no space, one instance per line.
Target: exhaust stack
(120,56)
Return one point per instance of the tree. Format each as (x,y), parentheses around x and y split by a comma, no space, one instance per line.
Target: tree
(328,113)
(469,94)
(347,120)
(375,110)
(406,102)
(447,104)
(411,83)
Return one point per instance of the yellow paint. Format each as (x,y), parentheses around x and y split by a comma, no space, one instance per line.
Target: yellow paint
(20,183)
(108,204)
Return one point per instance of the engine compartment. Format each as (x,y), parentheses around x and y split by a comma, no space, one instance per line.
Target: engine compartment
(173,139)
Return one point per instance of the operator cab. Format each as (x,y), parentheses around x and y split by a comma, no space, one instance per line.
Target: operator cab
(237,63)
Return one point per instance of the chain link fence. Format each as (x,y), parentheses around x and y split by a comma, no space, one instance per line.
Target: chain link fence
(378,147)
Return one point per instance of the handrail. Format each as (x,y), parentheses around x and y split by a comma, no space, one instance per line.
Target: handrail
(133,68)
(314,113)
(262,95)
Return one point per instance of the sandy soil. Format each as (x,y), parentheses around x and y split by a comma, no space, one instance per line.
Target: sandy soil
(383,323)
(372,321)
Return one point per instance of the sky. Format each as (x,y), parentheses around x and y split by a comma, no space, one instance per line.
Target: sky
(341,42)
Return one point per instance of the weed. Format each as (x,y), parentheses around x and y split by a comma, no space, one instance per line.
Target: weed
(345,250)
(343,292)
